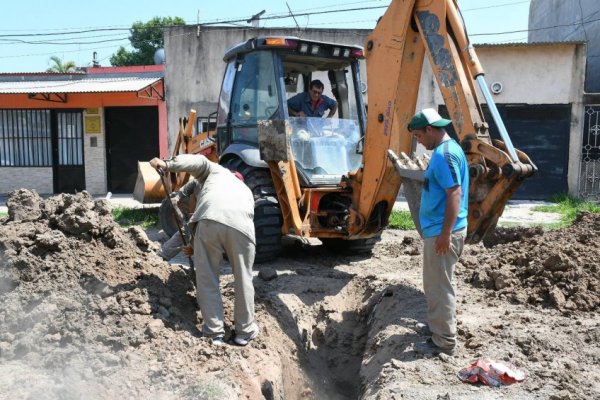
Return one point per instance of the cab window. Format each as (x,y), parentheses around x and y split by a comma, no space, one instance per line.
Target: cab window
(254,95)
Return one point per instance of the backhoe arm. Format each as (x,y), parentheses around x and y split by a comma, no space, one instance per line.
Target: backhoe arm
(395,52)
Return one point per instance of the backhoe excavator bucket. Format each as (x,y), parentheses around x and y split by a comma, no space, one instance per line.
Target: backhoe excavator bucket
(413,175)
(148,187)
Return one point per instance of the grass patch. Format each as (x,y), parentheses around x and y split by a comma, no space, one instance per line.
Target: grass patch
(145,217)
(401,220)
(568,207)
(3,214)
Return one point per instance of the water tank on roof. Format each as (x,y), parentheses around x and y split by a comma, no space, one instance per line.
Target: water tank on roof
(159,56)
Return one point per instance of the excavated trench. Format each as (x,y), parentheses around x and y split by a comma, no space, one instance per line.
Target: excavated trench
(324,313)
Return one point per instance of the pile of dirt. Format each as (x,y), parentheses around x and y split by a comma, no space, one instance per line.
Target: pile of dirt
(556,268)
(90,311)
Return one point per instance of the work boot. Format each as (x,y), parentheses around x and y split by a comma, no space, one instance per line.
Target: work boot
(428,348)
(422,329)
(217,340)
(243,341)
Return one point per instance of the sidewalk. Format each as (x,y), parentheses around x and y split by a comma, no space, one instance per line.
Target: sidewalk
(516,212)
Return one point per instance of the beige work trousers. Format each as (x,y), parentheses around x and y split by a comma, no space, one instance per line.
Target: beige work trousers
(211,240)
(440,289)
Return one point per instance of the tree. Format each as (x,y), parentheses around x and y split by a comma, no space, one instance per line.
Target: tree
(60,66)
(145,38)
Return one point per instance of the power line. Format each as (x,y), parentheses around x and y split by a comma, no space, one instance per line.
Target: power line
(496,6)
(268,17)
(283,16)
(65,33)
(19,41)
(534,29)
(13,41)
(285,13)
(306,13)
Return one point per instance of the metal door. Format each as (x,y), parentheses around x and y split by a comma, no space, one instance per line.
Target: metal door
(131,136)
(589,176)
(542,132)
(67,151)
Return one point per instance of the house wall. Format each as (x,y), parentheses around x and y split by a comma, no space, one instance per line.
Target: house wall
(41,179)
(36,178)
(569,20)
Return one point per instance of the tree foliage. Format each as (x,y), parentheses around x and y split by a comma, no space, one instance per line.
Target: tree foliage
(145,39)
(61,67)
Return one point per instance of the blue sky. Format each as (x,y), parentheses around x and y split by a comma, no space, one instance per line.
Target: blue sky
(37,18)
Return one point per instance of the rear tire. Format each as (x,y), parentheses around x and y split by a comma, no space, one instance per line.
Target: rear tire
(267,213)
(351,247)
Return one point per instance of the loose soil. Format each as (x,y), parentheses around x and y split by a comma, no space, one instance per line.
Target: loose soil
(90,311)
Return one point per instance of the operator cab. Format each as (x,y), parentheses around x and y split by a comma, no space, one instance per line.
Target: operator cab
(264,73)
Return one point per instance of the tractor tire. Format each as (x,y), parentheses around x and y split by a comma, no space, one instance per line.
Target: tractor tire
(166,217)
(267,213)
(351,247)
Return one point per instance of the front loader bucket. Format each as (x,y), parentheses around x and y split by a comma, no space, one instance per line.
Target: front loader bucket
(412,175)
(148,186)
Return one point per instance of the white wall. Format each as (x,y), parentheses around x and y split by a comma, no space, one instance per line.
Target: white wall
(530,74)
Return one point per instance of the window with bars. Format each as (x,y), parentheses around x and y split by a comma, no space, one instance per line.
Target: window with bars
(25,138)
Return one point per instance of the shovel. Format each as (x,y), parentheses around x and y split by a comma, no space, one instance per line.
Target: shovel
(161,173)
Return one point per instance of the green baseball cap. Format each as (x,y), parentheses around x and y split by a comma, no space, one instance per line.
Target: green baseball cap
(425,117)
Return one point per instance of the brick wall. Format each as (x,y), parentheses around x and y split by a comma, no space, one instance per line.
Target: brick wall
(94,155)
(36,178)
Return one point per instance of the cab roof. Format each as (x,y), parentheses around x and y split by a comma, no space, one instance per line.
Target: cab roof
(298,46)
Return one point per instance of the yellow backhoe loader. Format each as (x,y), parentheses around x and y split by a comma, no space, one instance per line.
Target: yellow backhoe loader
(337,178)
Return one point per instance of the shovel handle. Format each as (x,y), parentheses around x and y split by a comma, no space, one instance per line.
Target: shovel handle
(161,173)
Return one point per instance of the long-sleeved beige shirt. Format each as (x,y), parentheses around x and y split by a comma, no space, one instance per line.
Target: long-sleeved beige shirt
(223,197)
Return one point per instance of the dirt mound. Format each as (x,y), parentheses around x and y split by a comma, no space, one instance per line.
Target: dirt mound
(502,235)
(90,311)
(556,268)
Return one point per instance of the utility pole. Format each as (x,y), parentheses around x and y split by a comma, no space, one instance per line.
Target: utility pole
(255,19)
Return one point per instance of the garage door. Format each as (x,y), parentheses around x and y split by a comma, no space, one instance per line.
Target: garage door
(542,132)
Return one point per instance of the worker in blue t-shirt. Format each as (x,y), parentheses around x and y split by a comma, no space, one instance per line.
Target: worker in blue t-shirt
(312,103)
(443,218)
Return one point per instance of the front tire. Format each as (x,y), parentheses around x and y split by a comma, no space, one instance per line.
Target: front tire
(351,247)
(267,213)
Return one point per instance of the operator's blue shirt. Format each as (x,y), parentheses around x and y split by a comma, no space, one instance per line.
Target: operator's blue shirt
(302,102)
(447,168)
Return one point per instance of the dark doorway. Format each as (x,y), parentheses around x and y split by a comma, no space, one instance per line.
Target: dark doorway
(131,136)
(542,132)
(67,151)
